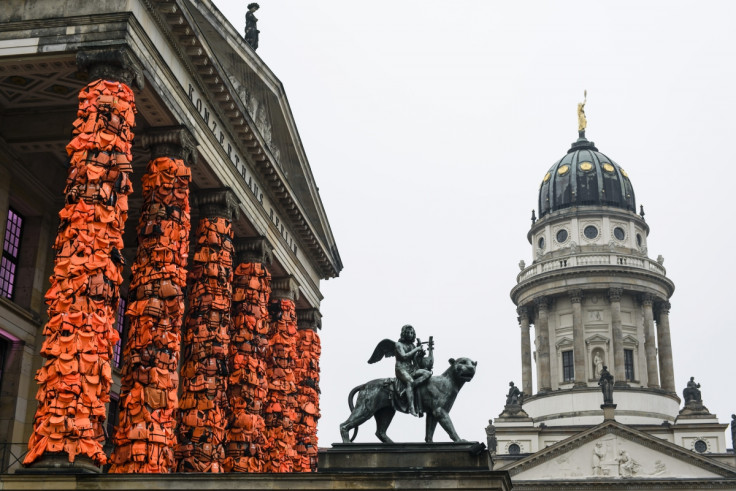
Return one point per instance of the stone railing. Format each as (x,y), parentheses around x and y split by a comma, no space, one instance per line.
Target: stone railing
(596,259)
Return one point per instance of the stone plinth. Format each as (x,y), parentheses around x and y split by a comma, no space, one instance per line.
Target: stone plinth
(358,457)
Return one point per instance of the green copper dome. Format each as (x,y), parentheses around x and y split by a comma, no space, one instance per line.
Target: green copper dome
(585,177)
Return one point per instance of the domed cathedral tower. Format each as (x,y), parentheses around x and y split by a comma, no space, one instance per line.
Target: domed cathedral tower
(593,302)
(595,299)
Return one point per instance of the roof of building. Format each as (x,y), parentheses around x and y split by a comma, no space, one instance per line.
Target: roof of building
(585,176)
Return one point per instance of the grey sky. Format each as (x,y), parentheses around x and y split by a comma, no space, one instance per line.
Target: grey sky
(429,126)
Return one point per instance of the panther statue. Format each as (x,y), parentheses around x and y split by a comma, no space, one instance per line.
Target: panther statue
(378,398)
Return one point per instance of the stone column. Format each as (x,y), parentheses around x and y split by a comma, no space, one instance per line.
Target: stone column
(542,327)
(578,337)
(156,309)
(619,372)
(247,391)
(666,368)
(281,361)
(526,352)
(649,340)
(307,384)
(84,291)
(203,406)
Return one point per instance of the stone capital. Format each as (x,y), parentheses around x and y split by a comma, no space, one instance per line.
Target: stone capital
(646,299)
(523,313)
(576,295)
(213,203)
(111,63)
(614,294)
(253,250)
(541,302)
(284,288)
(663,307)
(175,142)
(309,319)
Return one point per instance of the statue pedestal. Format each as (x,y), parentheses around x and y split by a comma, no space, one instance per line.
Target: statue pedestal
(381,457)
(58,463)
(608,411)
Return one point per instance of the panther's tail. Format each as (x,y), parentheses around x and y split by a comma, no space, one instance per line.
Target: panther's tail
(352,406)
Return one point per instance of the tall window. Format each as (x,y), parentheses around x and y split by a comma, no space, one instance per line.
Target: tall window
(117,351)
(11,250)
(629,364)
(568,369)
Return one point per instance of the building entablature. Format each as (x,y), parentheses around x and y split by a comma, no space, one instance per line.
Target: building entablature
(592,273)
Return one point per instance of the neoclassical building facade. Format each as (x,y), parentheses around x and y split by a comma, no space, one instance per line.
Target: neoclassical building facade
(158,112)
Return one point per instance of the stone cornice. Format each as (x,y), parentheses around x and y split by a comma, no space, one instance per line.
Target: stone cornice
(182,30)
(618,275)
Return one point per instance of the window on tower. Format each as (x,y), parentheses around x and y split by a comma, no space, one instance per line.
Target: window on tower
(629,364)
(568,369)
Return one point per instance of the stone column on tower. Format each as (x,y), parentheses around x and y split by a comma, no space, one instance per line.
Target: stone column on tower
(541,325)
(647,301)
(666,368)
(526,352)
(578,337)
(619,372)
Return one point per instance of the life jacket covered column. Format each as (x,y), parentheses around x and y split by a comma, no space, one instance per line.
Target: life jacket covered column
(144,437)
(204,407)
(74,383)
(246,445)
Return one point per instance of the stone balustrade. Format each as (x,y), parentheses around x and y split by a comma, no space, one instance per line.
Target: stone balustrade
(596,259)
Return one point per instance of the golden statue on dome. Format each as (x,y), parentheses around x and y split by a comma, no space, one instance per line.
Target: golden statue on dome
(582,122)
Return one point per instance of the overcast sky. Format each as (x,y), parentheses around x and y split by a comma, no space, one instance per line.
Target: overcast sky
(429,126)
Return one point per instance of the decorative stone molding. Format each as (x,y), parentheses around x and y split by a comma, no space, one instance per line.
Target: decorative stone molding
(284,288)
(309,319)
(541,303)
(111,63)
(523,313)
(662,307)
(217,203)
(171,141)
(253,250)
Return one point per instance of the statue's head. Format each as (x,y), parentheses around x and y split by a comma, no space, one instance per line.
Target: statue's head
(407,333)
(511,384)
(692,379)
(253,6)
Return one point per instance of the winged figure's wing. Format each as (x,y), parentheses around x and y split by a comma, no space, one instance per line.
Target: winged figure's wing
(385,348)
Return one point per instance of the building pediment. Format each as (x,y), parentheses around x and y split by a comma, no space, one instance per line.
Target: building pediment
(612,451)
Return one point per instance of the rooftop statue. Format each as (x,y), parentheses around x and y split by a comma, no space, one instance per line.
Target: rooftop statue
(606,383)
(582,122)
(691,393)
(413,391)
(251,29)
